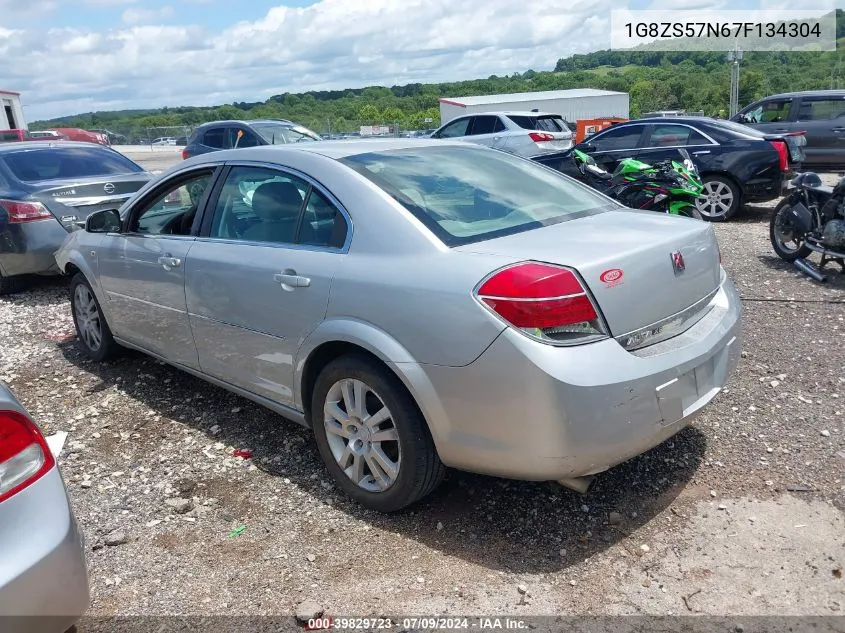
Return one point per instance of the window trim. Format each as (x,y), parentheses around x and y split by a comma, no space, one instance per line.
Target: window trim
(204,234)
(645,128)
(179,177)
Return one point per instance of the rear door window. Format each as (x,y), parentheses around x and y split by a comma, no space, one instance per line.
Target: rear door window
(486,124)
(675,136)
(216,137)
(815,109)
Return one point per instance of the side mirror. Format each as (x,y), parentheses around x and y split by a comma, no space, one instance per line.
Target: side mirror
(105,221)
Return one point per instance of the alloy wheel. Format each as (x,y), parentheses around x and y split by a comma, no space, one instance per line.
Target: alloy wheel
(716,200)
(362,435)
(88,321)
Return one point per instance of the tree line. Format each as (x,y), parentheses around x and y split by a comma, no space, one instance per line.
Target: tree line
(693,81)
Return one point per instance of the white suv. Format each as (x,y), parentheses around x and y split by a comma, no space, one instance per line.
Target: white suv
(526,134)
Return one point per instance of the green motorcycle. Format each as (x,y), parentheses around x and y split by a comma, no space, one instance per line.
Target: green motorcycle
(667,186)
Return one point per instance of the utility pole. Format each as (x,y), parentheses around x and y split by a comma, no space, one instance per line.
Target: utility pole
(735,58)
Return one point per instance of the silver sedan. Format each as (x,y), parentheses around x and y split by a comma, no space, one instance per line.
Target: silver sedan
(43,575)
(419,304)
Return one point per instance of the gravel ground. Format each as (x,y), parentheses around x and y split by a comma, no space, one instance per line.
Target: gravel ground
(742,513)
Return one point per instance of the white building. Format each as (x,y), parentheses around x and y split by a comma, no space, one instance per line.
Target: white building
(11,111)
(580,103)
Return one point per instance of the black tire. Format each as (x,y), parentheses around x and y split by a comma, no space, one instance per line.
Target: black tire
(711,214)
(10,285)
(107,347)
(420,468)
(786,254)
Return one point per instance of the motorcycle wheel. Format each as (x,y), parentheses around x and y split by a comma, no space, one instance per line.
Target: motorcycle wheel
(783,241)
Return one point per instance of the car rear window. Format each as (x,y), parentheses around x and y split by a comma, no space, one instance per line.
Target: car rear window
(469,194)
(283,134)
(542,123)
(33,165)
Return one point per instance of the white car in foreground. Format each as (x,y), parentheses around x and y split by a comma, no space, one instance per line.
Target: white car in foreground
(526,134)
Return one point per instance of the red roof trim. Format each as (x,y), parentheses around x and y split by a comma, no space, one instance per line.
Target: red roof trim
(454,103)
(9,92)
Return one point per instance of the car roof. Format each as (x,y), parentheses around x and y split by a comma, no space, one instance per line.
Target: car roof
(284,122)
(807,93)
(330,149)
(31,145)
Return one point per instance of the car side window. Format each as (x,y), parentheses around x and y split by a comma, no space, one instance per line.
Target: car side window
(172,211)
(215,137)
(675,135)
(484,124)
(323,224)
(455,129)
(821,109)
(626,137)
(772,111)
(244,138)
(257,204)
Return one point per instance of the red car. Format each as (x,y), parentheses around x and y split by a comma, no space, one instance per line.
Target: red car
(77,134)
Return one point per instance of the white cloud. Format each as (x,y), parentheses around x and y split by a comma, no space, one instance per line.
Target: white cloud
(146,16)
(28,9)
(333,44)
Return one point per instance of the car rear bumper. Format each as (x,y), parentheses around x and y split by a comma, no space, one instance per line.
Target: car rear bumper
(43,574)
(764,189)
(526,410)
(28,248)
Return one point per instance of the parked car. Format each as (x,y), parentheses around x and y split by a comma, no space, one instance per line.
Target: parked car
(418,303)
(819,113)
(46,135)
(43,577)
(46,190)
(164,140)
(523,133)
(83,136)
(738,164)
(218,135)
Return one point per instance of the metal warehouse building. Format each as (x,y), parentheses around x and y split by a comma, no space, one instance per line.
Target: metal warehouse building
(11,111)
(580,103)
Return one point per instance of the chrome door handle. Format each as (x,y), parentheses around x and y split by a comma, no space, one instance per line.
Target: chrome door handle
(702,151)
(290,280)
(169,262)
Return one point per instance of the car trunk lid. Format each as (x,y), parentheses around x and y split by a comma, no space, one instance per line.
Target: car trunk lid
(72,201)
(641,267)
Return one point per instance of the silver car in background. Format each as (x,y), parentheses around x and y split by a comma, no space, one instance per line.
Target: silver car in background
(49,188)
(526,134)
(43,575)
(419,304)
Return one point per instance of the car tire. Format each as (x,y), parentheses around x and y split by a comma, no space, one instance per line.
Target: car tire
(352,454)
(720,200)
(93,331)
(785,253)
(10,285)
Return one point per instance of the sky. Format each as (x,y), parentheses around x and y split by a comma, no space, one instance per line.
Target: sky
(74,56)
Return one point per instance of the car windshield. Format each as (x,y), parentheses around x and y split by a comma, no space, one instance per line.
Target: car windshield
(283,134)
(468,194)
(33,165)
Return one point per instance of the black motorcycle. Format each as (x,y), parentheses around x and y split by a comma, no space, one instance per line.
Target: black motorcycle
(810,218)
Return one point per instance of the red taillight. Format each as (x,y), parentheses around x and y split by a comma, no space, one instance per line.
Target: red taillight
(541,137)
(783,155)
(545,301)
(24,454)
(20,212)
(185,154)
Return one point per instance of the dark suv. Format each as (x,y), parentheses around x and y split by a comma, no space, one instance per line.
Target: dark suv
(820,113)
(217,135)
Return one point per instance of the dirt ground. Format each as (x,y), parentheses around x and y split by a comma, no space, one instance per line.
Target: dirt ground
(740,514)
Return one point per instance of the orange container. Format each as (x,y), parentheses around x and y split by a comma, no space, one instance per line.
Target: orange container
(585,128)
